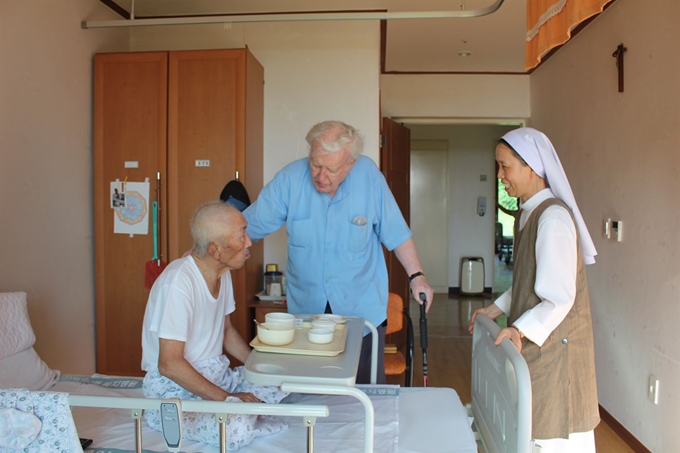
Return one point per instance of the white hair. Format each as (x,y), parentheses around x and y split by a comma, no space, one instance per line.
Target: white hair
(348,136)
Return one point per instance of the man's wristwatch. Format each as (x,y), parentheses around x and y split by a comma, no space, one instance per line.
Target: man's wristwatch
(416,275)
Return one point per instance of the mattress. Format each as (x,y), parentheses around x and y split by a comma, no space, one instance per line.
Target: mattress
(408,420)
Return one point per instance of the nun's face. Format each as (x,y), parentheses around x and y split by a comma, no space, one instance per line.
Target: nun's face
(515,175)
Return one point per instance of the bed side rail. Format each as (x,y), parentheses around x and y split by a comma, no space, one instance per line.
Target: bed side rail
(501,392)
(137,406)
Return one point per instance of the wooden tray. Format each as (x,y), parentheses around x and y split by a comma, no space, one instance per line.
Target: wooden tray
(301,345)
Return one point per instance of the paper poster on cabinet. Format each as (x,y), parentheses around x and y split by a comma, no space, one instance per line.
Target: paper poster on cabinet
(133,216)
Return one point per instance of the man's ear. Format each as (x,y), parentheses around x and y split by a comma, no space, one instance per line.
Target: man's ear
(213,249)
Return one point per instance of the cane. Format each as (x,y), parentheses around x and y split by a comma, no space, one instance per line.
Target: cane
(423,336)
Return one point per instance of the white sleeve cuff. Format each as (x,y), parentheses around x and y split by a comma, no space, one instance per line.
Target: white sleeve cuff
(532,328)
(503,302)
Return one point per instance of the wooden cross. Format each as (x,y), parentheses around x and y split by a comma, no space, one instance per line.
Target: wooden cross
(618,54)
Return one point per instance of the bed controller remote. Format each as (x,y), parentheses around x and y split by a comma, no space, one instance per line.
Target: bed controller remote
(171,420)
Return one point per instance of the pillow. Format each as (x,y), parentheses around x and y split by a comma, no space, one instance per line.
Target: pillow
(20,365)
(15,327)
(26,370)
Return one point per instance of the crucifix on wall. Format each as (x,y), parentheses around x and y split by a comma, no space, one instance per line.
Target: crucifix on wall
(618,54)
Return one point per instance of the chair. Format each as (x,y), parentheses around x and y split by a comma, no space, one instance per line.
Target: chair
(395,362)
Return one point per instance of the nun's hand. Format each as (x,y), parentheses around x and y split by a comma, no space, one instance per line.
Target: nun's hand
(512,334)
(492,312)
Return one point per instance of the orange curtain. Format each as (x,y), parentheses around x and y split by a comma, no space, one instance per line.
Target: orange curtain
(550,22)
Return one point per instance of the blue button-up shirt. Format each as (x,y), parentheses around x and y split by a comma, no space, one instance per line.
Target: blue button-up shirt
(331,255)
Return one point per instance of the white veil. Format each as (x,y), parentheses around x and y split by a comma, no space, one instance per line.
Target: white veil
(537,151)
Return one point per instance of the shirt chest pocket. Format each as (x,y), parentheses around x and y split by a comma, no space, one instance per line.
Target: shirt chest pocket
(359,237)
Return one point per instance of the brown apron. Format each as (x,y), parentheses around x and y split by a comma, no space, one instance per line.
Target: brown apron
(564,389)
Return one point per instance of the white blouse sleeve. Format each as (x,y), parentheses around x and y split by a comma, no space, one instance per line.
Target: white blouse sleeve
(503,301)
(556,266)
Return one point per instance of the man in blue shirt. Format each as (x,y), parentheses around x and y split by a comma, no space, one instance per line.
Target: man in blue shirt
(338,209)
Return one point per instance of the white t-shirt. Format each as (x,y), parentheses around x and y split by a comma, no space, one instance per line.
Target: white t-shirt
(181,308)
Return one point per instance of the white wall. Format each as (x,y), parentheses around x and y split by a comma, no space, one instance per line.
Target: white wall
(471,154)
(314,71)
(455,96)
(46,170)
(620,151)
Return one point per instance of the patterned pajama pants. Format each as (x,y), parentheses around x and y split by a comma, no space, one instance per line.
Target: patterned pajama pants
(241,429)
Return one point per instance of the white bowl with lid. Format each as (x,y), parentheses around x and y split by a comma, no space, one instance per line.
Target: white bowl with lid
(320,336)
(323,324)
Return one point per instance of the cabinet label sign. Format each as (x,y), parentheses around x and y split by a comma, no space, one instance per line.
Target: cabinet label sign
(202,162)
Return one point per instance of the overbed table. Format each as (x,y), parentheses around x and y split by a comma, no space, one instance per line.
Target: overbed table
(334,375)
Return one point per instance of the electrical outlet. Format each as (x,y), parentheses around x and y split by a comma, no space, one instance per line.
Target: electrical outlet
(202,162)
(653,389)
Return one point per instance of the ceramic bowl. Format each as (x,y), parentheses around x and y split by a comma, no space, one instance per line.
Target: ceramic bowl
(320,336)
(323,324)
(275,334)
(278,317)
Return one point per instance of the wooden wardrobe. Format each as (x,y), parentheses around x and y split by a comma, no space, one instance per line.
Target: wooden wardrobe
(159,113)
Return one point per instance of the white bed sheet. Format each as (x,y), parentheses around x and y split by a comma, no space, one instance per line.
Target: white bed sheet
(428,420)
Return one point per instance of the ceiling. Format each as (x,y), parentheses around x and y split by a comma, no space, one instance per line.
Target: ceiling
(495,41)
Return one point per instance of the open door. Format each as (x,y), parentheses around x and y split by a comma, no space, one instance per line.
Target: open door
(395,163)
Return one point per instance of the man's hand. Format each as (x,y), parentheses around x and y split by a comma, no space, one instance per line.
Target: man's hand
(246,397)
(408,257)
(420,285)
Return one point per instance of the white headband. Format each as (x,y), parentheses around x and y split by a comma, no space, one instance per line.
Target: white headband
(537,151)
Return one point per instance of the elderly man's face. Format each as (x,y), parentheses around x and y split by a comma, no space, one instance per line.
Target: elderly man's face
(236,247)
(329,170)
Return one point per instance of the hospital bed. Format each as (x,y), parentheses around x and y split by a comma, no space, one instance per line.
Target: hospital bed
(407,420)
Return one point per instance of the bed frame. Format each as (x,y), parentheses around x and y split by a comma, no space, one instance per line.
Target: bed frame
(501,401)
(501,392)
(221,409)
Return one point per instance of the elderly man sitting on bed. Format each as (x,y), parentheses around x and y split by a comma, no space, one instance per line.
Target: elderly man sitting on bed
(186,325)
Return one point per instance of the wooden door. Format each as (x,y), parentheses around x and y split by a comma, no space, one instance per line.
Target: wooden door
(395,163)
(208,95)
(129,142)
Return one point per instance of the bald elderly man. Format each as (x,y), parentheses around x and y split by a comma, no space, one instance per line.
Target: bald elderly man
(187,325)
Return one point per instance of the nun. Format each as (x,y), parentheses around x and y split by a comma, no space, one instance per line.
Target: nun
(548,307)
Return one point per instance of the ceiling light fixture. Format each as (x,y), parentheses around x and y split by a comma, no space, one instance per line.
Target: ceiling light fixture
(464,53)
